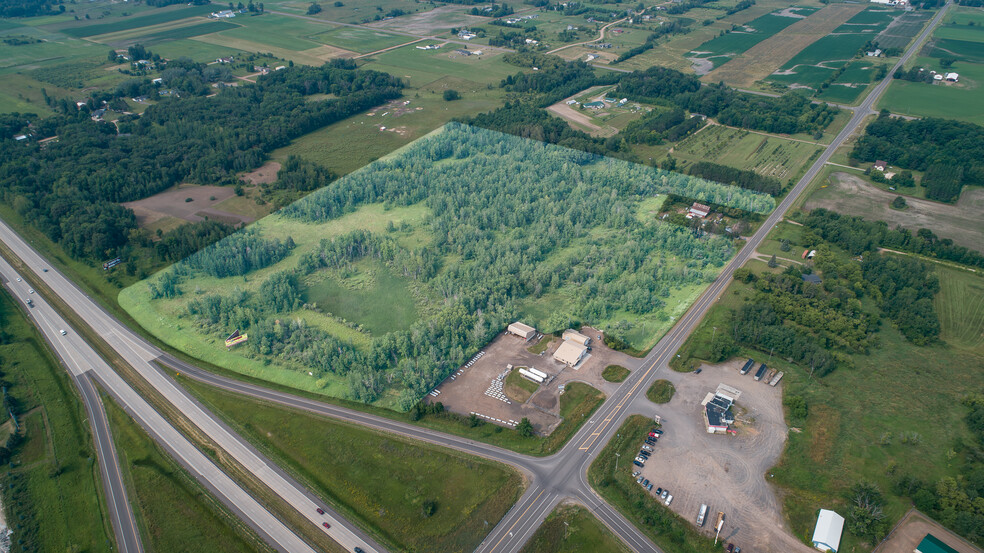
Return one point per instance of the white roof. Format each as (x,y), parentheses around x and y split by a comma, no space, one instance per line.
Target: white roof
(521,328)
(827,536)
(953,76)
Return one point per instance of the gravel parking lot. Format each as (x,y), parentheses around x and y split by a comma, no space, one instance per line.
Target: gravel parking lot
(727,472)
(475,388)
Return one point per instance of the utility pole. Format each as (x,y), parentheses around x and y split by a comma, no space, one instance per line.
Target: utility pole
(617,455)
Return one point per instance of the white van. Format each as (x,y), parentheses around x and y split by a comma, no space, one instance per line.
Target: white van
(701,515)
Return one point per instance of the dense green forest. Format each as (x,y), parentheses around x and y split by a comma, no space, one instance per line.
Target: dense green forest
(30,8)
(70,189)
(950,152)
(512,221)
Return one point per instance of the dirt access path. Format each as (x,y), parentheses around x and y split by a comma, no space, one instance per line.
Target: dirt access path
(852,195)
(761,60)
(601,35)
(913,527)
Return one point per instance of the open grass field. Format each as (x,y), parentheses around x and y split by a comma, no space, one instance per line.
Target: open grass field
(518,388)
(959,49)
(660,392)
(759,61)
(378,479)
(53,498)
(375,297)
(925,100)
(573,529)
(855,415)
(352,11)
(360,40)
(173,512)
(615,373)
(83,30)
(420,67)
(178,33)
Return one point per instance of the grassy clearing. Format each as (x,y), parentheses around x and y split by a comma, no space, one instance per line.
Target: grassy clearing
(670,532)
(375,297)
(961,308)
(660,392)
(125,24)
(378,479)
(615,373)
(572,529)
(360,40)
(519,388)
(53,497)
(424,66)
(540,346)
(174,513)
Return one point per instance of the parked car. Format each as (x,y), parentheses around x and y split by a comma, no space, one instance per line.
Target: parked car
(664,494)
(640,459)
(647,447)
(645,482)
(638,464)
(639,480)
(669,498)
(635,473)
(737,549)
(649,487)
(697,370)
(659,491)
(730,548)
(658,431)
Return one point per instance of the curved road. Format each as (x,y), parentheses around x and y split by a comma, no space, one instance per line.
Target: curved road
(552,479)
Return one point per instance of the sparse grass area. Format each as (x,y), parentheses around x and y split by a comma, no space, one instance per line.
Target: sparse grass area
(670,532)
(540,346)
(174,513)
(961,308)
(518,388)
(378,479)
(360,40)
(660,392)
(127,23)
(573,529)
(375,297)
(53,497)
(615,373)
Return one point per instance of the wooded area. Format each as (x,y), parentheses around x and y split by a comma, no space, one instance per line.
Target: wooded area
(512,221)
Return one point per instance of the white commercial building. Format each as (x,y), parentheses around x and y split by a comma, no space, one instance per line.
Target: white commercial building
(827,536)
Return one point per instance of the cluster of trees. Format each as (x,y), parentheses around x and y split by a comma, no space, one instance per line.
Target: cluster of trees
(498,10)
(555,79)
(677,26)
(904,289)
(738,177)
(958,502)
(740,6)
(757,325)
(659,125)
(527,121)
(857,236)
(512,39)
(70,189)
(239,254)
(685,6)
(951,152)
(501,206)
(30,8)
(914,74)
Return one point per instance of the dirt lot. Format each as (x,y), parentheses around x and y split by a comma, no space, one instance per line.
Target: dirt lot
(913,528)
(476,388)
(852,195)
(171,203)
(264,175)
(728,473)
(433,21)
(759,61)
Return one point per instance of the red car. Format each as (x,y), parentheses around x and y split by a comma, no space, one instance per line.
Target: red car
(326,525)
(321,511)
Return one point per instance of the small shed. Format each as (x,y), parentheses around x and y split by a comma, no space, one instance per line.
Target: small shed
(932,544)
(575,336)
(570,353)
(524,331)
(952,77)
(827,535)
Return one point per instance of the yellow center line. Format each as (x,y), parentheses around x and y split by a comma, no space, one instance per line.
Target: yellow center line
(521,517)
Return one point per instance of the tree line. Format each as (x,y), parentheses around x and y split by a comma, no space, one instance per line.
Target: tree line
(951,152)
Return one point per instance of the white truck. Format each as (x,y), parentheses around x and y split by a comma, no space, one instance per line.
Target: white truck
(701,515)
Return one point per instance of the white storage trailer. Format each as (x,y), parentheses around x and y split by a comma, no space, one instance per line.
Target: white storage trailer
(531,376)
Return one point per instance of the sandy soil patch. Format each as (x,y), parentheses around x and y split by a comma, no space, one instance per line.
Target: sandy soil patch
(701,66)
(173,203)
(761,60)
(851,195)
(565,111)
(790,12)
(913,528)
(264,175)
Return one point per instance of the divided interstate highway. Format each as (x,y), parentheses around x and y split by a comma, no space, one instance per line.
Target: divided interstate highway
(551,479)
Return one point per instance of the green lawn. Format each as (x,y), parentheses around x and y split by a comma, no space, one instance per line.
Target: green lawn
(518,387)
(380,480)
(53,497)
(660,392)
(668,530)
(961,309)
(615,373)
(174,513)
(360,40)
(573,529)
(374,296)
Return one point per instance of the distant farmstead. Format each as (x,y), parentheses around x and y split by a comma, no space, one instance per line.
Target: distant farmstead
(524,331)
(699,210)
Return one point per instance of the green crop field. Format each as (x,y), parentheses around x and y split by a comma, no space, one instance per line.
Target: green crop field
(962,50)
(173,512)
(573,529)
(874,16)
(420,67)
(415,496)
(52,491)
(419,291)
(184,32)
(767,155)
(127,23)
(279,31)
(359,40)
(927,100)
(722,48)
